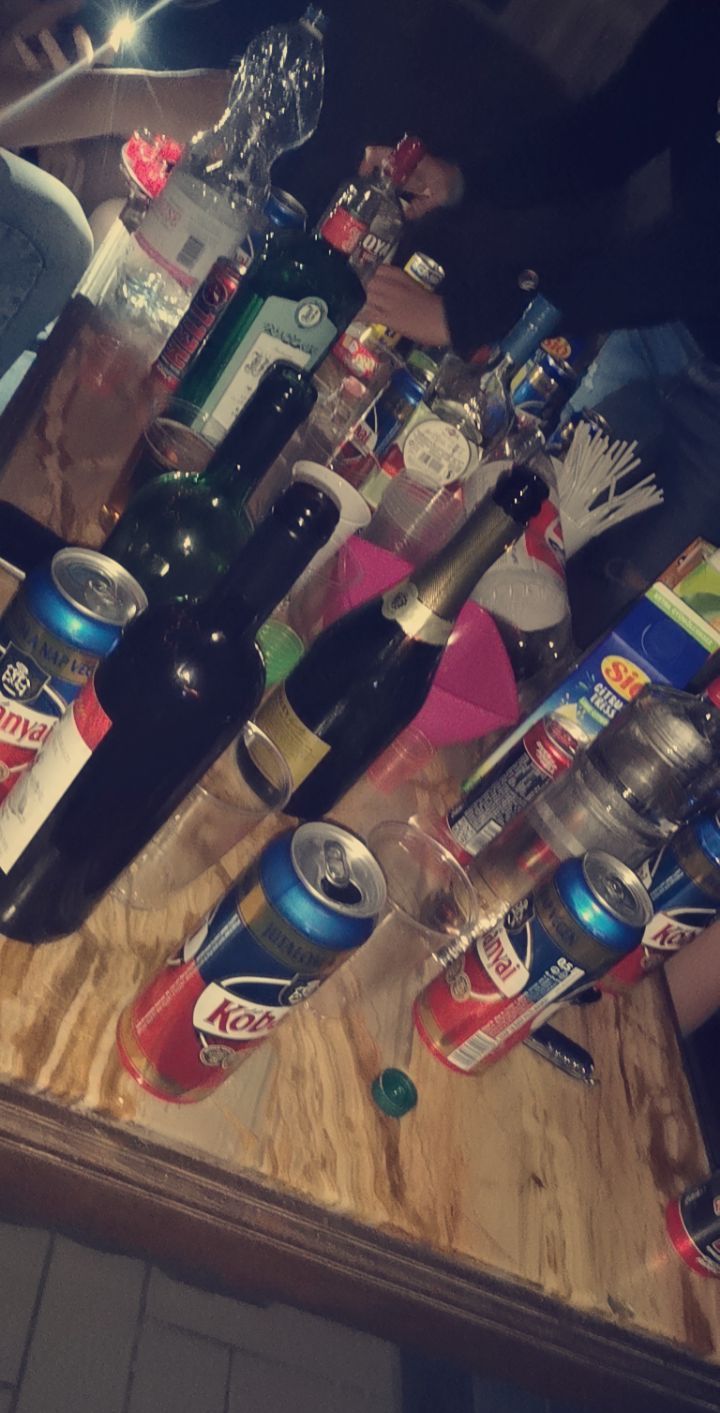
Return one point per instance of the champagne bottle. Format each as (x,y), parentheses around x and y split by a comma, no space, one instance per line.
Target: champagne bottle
(161,708)
(368,674)
(181,532)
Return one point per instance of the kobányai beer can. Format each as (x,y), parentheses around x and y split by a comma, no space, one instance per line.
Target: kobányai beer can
(693,1223)
(683,881)
(310,899)
(550,945)
(67,615)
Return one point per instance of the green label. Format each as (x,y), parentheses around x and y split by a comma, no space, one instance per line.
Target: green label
(283,331)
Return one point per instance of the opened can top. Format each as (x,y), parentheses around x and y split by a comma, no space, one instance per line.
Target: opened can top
(98,586)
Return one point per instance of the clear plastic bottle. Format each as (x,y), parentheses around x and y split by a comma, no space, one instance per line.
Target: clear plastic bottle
(642,777)
(374,202)
(89,399)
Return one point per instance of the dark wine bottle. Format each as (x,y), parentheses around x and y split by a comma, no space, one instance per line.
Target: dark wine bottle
(181,532)
(368,674)
(161,709)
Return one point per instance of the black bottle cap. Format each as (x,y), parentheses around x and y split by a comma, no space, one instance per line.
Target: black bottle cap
(308,509)
(520,492)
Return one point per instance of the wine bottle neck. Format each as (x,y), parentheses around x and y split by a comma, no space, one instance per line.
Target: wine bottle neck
(259,435)
(448,579)
(298,525)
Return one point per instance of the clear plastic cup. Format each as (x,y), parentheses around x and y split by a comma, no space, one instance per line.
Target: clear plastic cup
(214,818)
(431,908)
(413,521)
(181,437)
(323,596)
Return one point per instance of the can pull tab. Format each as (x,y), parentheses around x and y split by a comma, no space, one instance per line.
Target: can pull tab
(337,883)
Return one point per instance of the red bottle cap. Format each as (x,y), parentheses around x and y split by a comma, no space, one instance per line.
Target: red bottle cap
(712,692)
(403,160)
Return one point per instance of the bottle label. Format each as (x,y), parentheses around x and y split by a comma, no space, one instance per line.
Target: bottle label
(185,230)
(431,450)
(302,749)
(372,250)
(343,230)
(68,749)
(209,303)
(403,605)
(284,330)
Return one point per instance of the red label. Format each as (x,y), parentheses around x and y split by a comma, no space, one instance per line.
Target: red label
(343,230)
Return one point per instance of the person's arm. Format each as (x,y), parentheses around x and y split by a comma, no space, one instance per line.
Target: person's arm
(112,102)
(597,145)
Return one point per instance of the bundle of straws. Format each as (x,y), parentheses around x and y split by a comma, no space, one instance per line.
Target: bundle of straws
(596,486)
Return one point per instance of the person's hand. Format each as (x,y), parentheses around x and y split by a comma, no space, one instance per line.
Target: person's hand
(434,182)
(399,302)
(48,54)
(20,22)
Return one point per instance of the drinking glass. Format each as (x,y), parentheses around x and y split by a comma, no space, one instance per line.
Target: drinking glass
(181,437)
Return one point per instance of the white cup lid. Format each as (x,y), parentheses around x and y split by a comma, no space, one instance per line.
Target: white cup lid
(354,509)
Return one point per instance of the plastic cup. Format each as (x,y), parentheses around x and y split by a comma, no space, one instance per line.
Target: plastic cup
(431,905)
(181,437)
(211,821)
(413,520)
(321,597)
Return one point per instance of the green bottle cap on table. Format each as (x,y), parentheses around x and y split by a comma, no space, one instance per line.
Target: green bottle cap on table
(281,649)
(394,1093)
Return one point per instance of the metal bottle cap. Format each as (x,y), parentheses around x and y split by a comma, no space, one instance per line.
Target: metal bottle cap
(394,1093)
(97,585)
(338,869)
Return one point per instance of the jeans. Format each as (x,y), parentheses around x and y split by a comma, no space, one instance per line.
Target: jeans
(45,245)
(656,387)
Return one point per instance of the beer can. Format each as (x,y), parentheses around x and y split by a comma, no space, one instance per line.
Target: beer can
(67,615)
(313,896)
(561,439)
(547,749)
(693,1224)
(683,881)
(550,945)
(543,385)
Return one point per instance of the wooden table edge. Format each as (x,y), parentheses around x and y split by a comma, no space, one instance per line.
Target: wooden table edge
(103,1184)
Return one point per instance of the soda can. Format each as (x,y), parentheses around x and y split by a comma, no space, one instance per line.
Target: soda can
(549,946)
(67,615)
(311,898)
(683,881)
(547,749)
(693,1225)
(543,385)
(561,439)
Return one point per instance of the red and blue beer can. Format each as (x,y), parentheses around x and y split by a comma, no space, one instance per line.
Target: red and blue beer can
(684,885)
(693,1224)
(67,615)
(311,898)
(549,946)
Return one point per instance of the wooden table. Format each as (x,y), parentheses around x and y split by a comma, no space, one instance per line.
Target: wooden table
(513,1221)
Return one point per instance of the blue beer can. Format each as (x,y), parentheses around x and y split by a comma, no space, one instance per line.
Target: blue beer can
(549,946)
(543,386)
(684,885)
(312,897)
(67,615)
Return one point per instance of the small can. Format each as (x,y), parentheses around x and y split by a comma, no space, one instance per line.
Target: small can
(311,898)
(547,749)
(561,439)
(207,307)
(683,881)
(543,385)
(68,615)
(550,945)
(693,1224)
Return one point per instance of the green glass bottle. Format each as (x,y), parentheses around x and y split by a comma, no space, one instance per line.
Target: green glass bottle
(181,532)
(291,307)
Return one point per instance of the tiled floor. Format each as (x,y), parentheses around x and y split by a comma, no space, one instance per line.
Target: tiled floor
(82,1331)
